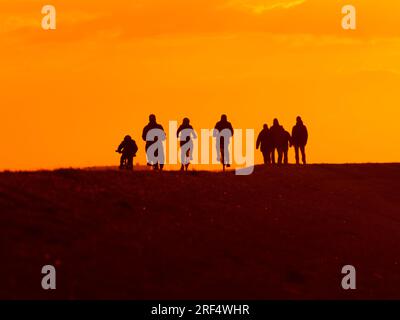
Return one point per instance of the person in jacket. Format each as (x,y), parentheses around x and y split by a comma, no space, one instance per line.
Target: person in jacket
(285,143)
(276,138)
(154,134)
(223,131)
(299,140)
(264,143)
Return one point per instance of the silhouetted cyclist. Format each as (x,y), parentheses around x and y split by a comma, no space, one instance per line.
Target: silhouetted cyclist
(128,148)
(185,134)
(299,140)
(223,131)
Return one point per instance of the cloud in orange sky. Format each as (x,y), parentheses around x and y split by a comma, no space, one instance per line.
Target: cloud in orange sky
(162,17)
(261,6)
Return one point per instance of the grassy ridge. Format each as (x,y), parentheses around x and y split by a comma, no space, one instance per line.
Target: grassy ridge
(278,233)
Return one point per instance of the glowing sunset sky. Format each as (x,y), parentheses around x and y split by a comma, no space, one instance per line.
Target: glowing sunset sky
(69,96)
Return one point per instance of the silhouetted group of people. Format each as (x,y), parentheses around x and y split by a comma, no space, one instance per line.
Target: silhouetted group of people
(277,140)
(270,141)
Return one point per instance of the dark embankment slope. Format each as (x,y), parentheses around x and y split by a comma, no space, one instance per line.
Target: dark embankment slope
(279,233)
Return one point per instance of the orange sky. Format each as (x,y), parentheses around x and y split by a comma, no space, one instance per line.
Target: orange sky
(69,96)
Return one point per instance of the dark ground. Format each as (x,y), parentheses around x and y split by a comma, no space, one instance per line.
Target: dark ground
(281,233)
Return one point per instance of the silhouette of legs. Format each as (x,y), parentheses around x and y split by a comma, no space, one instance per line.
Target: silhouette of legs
(157,160)
(267,156)
(273,155)
(224,155)
(285,156)
(185,159)
(188,158)
(303,154)
(280,155)
(158,166)
(129,164)
(126,162)
(122,162)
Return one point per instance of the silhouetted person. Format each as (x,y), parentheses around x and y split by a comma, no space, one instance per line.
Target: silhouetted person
(150,134)
(285,143)
(185,134)
(276,133)
(264,140)
(128,148)
(223,131)
(299,140)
